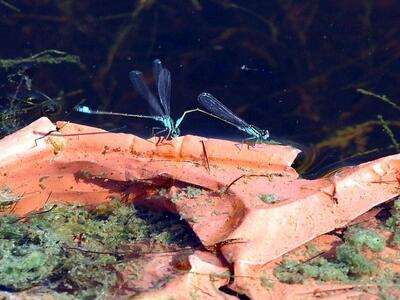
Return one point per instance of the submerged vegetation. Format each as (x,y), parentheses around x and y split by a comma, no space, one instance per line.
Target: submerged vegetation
(21,102)
(360,136)
(72,250)
(50,56)
(267,59)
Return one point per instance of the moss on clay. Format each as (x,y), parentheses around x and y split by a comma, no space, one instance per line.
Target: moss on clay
(290,271)
(393,224)
(349,265)
(189,192)
(268,198)
(57,143)
(71,249)
(266,282)
(7,198)
(350,253)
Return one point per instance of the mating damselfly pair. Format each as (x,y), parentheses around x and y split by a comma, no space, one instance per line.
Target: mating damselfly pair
(160,109)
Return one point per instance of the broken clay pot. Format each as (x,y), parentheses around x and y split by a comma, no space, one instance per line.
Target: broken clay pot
(245,199)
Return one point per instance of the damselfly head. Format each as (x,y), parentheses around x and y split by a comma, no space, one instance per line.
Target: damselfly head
(264,135)
(83,109)
(175,132)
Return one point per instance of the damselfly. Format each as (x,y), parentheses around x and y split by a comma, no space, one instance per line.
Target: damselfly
(159,109)
(218,110)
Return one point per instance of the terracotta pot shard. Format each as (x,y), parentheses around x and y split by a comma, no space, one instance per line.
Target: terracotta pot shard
(226,191)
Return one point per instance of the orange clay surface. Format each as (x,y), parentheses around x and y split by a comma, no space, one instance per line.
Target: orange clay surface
(250,197)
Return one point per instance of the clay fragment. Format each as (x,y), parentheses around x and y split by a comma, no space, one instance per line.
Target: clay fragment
(246,203)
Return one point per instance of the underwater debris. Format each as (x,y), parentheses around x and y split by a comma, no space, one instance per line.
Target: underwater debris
(20,99)
(383,98)
(50,56)
(28,103)
(389,132)
(384,123)
(10,6)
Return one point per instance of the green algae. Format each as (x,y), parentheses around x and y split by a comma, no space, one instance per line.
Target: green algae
(349,265)
(393,224)
(189,192)
(350,253)
(268,198)
(266,282)
(7,198)
(291,271)
(72,250)
(28,255)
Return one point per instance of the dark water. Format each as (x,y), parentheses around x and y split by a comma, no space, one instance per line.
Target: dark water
(292,67)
